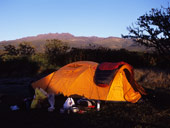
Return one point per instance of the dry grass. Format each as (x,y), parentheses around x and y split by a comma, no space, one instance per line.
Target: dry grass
(153,78)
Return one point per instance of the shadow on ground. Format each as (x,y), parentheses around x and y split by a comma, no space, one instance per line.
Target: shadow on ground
(153,112)
(159,98)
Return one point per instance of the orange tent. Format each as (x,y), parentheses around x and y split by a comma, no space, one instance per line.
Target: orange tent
(77,78)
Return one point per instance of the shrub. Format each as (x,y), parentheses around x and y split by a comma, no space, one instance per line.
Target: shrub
(56,51)
(17,66)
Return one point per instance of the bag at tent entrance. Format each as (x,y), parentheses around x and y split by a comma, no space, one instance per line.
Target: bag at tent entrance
(68,103)
(40,95)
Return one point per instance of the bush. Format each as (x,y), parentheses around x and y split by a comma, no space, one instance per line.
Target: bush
(43,64)
(17,66)
(24,49)
(53,60)
(56,51)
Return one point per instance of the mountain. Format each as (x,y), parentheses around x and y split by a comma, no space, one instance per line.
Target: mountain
(76,41)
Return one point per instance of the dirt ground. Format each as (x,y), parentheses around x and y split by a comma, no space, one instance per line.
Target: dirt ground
(154,113)
(13,91)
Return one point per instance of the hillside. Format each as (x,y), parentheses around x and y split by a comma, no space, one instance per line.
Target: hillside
(76,41)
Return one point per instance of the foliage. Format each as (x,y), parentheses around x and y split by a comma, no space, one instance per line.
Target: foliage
(43,62)
(24,49)
(56,51)
(153,30)
(137,59)
(56,47)
(17,66)
(11,49)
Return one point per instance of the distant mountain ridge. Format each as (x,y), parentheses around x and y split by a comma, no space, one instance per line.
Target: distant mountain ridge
(76,41)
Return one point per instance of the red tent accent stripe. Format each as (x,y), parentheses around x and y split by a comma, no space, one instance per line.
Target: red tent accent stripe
(110,66)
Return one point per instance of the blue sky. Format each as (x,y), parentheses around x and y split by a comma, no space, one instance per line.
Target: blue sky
(103,18)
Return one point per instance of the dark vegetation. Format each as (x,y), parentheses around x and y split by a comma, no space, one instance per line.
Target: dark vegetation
(24,61)
(153,31)
(21,64)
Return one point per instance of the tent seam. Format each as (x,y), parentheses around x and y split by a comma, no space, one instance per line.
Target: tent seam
(50,81)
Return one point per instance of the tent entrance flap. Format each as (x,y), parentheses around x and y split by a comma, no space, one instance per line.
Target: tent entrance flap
(105,73)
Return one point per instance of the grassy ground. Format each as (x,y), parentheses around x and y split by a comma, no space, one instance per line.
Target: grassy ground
(153,111)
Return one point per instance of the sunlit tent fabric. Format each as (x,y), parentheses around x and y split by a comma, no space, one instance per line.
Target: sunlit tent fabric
(77,78)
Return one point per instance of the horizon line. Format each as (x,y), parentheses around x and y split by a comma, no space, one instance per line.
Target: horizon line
(60,34)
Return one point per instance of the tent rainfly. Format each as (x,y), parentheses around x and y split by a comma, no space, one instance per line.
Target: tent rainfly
(106,81)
